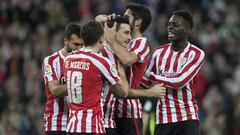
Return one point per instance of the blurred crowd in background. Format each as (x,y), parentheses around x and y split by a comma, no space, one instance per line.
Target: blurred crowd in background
(33,29)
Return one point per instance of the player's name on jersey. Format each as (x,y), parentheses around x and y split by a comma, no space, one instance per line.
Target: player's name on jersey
(77,65)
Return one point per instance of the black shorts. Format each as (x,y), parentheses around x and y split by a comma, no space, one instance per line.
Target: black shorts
(84,134)
(111,131)
(55,133)
(129,126)
(190,127)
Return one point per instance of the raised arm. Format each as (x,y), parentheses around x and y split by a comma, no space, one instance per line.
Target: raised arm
(126,57)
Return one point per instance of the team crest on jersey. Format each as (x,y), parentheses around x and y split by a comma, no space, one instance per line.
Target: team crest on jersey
(182,61)
(113,70)
(47,70)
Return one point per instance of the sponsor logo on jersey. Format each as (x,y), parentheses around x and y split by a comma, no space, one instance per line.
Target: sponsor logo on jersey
(47,70)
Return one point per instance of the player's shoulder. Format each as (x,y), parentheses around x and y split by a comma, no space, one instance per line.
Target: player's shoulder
(51,57)
(100,57)
(138,40)
(196,49)
(162,47)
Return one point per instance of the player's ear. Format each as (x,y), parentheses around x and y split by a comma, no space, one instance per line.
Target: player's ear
(65,41)
(138,22)
(187,29)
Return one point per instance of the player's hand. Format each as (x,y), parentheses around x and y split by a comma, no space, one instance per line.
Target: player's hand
(101,18)
(158,91)
(110,33)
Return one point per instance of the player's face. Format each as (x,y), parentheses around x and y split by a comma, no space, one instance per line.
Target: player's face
(123,34)
(128,13)
(176,28)
(74,43)
(100,42)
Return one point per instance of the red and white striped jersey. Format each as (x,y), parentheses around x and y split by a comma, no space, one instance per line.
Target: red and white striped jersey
(132,108)
(85,73)
(108,97)
(177,70)
(55,116)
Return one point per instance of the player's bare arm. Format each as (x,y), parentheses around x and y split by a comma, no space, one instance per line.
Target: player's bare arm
(57,89)
(126,57)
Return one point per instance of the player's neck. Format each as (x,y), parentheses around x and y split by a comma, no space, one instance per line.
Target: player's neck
(93,48)
(179,45)
(64,51)
(136,34)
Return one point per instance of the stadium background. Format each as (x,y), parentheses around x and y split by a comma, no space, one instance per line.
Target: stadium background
(33,29)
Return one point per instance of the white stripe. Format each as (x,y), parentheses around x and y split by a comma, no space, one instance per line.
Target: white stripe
(157,112)
(181,57)
(184,75)
(181,105)
(190,103)
(128,109)
(99,65)
(131,76)
(79,126)
(157,60)
(164,111)
(120,108)
(110,56)
(64,122)
(55,113)
(141,46)
(89,121)
(56,67)
(46,122)
(164,59)
(173,59)
(172,105)
(97,125)
(135,111)
(142,57)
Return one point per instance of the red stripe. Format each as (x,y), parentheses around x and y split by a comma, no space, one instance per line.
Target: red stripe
(185,100)
(160,111)
(111,112)
(176,62)
(177,106)
(71,124)
(132,108)
(136,45)
(168,108)
(143,51)
(83,122)
(61,109)
(168,61)
(106,103)
(124,109)
(194,101)
(175,92)
(94,124)
(136,126)
(117,111)
(138,109)
(75,122)
(161,58)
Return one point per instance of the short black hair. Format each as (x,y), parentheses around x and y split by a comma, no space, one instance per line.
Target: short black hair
(72,28)
(91,33)
(120,20)
(186,16)
(142,12)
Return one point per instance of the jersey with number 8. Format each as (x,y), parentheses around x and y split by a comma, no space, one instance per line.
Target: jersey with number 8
(85,72)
